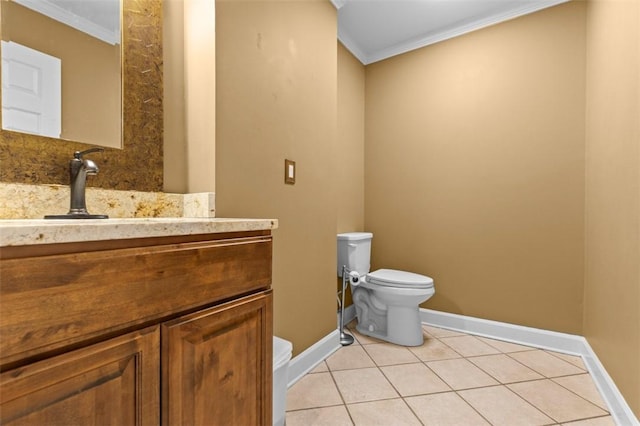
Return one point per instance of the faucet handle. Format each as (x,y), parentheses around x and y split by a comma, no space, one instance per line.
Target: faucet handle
(78,154)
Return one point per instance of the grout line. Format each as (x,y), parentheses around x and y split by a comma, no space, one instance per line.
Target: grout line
(450,347)
(412,412)
(344,403)
(539,372)
(528,366)
(583,367)
(295,410)
(580,396)
(498,380)
(450,389)
(531,404)
(472,407)
(504,385)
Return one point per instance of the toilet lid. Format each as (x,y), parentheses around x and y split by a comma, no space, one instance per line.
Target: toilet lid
(394,278)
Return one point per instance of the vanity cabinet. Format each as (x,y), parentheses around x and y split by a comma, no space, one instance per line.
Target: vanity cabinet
(160,330)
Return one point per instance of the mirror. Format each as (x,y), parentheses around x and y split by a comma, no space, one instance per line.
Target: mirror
(61,65)
(138,165)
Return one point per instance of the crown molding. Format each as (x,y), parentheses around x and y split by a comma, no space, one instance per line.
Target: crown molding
(59,14)
(425,40)
(352,47)
(338,3)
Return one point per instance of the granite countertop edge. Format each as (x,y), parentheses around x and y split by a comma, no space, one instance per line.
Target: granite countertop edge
(21,232)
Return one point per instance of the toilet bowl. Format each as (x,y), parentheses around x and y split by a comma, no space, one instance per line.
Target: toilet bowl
(386,300)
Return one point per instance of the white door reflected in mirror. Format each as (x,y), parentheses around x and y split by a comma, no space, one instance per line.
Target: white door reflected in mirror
(31,91)
(85,36)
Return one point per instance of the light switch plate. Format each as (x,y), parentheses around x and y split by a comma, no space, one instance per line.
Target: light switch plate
(289,172)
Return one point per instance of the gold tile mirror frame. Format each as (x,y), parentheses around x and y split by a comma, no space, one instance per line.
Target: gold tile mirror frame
(33,159)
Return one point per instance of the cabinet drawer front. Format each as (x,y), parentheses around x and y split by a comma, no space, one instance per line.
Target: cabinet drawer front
(115,382)
(53,302)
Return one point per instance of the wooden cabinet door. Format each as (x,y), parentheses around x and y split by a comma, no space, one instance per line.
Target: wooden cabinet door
(115,382)
(217,365)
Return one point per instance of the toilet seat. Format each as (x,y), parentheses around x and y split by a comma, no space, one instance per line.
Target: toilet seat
(400,279)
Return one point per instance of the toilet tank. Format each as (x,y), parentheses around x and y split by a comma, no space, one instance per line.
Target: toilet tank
(354,251)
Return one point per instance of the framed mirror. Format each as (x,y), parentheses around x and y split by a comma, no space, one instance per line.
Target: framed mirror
(135,163)
(61,67)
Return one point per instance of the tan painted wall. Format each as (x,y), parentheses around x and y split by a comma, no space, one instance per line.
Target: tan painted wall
(350,142)
(276,82)
(612,285)
(350,158)
(175,140)
(190,94)
(474,169)
(200,93)
(91,89)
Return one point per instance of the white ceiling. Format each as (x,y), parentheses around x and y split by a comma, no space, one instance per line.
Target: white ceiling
(98,18)
(374,30)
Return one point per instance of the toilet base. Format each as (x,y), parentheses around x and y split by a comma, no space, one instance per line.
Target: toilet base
(403,327)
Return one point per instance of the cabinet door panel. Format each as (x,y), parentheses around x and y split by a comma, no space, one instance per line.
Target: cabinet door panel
(115,382)
(217,365)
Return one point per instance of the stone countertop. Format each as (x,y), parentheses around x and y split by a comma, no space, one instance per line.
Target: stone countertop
(21,232)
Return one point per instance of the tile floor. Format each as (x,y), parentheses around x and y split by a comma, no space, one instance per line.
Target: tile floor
(452,379)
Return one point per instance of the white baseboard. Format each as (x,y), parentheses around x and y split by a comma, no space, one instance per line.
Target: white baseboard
(544,339)
(551,340)
(618,406)
(312,356)
(319,351)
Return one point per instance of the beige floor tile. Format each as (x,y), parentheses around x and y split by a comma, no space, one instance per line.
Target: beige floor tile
(364,384)
(313,391)
(320,368)
(598,421)
(433,350)
(383,413)
(352,324)
(506,347)
(461,374)
(350,376)
(440,332)
(327,416)
(501,406)
(349,357)
(573,359)
(390,354)
(545,364)
(505,369)
(444,409)
(414,379)
(556,401)
(364,340)
(583,385)
(426,334)
(469,346)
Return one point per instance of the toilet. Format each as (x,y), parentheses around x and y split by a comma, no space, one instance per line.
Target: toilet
(386,300)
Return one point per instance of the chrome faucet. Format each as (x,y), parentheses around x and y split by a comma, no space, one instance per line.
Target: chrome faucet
(79,168)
